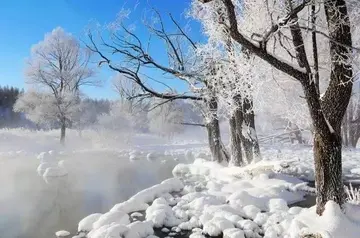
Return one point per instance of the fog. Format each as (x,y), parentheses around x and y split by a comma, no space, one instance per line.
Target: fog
(100,175)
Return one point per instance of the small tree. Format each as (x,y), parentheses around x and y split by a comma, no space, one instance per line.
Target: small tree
(58,67)
(43,109)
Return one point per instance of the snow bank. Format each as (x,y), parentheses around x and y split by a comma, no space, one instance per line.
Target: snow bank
(333,223)
(116,222)
(139,201)
(251,201)
(161,214)
(115,230)
(117,217)
(86,224)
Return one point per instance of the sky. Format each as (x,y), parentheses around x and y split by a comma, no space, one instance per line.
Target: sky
(23,23)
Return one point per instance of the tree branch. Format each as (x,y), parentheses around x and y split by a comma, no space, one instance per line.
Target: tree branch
(260,52)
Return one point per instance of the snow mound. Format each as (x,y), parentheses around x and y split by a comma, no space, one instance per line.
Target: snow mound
(161,214)
(55,172)
(48,157)
(333,223)
(216,226)
(108,218)
(233,233)
(139,201)
(115,230)
(86,224)
(62,233)
(136,214)
(134,155)
(42,168)
(151,156)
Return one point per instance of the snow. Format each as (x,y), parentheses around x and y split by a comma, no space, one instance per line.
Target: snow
(42,168)
(139,201)
(277,204)
(118,217)
(251,211)
(86,224)
(136,214)
(55,172)
(151,156)
(62,233)
(233,233)
(229,201)
(161,214)
(216,226)
(115,230)
(333,222)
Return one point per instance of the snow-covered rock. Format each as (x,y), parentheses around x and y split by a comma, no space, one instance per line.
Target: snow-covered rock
(108,218)
(42,168)
(55,172)
(161,214)
(277,204)
(136,214)
(86,224)
(151,156)
(134,155)
(62,233)
(233,233)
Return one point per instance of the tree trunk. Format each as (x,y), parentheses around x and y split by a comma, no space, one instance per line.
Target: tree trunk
(346,129)
(250,140)
(62,133)
(214,132)
(328,167)
(235,141)
(327,144)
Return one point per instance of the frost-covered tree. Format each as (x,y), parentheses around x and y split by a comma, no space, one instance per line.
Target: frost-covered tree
(136,107)
(165,118)
(118,121)
(330,19)
(43,109)
(58,67)
(133,58)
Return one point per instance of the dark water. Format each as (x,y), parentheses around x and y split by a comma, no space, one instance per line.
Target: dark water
(310,199)
(32,208)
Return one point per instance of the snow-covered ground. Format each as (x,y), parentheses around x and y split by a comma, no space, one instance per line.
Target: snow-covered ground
(208,199)
(150,186)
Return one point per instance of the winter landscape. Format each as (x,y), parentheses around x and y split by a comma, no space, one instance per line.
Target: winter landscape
(196,118)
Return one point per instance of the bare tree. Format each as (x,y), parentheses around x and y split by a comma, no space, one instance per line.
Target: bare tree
(136,57)
(60,67)
(326,112)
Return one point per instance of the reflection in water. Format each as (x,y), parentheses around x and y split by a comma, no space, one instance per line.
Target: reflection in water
(34,208)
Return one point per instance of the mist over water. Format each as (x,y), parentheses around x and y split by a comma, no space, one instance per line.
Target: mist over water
(97,179)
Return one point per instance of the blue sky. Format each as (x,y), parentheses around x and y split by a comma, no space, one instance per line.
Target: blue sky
(24,23)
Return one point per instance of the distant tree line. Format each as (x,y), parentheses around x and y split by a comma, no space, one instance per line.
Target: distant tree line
(8,97)
(90,111)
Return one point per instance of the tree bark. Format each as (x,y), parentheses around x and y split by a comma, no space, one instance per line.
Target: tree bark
(327,144)
(328,167)
(235,140)
(62,133)
(346,129)
(250,141)
(213,129)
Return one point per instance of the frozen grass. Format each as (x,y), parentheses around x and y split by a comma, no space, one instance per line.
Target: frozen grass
(353,194)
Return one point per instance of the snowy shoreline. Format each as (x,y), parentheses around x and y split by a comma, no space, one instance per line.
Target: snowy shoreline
(208,199)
